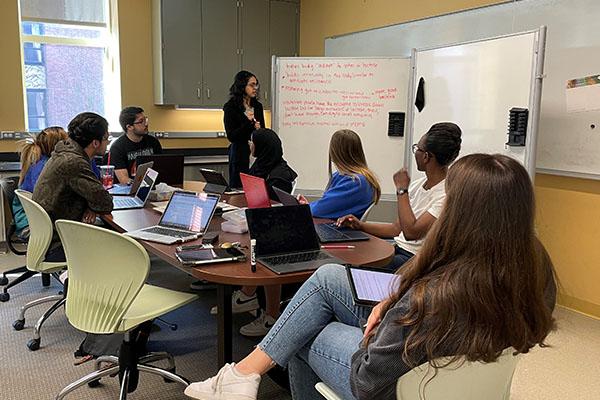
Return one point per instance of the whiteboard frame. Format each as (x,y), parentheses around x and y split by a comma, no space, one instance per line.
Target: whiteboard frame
(535,96)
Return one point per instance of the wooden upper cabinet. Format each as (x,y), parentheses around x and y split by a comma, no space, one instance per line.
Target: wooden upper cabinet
(199,46)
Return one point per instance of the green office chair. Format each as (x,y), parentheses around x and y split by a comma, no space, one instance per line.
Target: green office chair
(457,381)
(40,239)
(107,295)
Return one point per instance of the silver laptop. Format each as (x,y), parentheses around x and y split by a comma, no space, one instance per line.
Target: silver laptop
(141,195)
(121,189)
(185,218)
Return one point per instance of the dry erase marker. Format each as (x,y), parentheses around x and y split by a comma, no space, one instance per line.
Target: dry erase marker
(253,255)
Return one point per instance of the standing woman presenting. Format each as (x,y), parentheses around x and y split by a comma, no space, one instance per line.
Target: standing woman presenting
(243,115)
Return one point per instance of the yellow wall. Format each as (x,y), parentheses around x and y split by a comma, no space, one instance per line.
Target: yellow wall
(568,209)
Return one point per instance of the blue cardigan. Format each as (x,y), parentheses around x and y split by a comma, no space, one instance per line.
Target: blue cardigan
(346,194)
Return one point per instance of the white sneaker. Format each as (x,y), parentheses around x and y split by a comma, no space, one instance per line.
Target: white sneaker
(228,384)
(259,327)
(240,303)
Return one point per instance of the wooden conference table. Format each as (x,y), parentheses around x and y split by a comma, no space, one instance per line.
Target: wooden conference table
(375,252)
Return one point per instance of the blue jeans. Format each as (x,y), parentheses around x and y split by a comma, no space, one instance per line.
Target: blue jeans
(318,333)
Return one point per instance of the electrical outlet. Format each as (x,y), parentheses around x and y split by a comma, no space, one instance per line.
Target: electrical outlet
(220,134)
(7,135)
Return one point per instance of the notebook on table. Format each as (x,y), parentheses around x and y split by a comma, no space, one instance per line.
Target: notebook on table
(168,166)
(129,190)
(255,189)
(216,182)
(141,194)
(186,217)
(286,240)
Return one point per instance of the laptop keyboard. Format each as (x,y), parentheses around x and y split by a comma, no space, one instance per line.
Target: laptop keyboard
(125,202)
(296,258)
(328,232)
(167,232)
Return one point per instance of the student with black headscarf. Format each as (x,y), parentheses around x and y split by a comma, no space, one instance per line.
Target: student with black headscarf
(265,145)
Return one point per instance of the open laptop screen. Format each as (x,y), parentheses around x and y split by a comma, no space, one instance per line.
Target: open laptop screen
(146,185)
(189,211)
(280,230)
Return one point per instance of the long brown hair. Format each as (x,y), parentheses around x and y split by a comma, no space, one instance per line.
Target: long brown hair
(43,143)
(346,152)
(482,282)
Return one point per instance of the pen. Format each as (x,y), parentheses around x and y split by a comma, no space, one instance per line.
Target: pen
(337,246)
(252,255)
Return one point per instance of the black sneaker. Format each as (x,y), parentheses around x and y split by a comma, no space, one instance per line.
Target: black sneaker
(202,285)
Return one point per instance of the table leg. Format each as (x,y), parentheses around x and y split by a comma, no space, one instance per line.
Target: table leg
(224,325)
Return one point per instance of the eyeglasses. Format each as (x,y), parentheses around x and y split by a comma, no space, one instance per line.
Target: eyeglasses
(415,147)
(105,138)
(254,85)
(142,121)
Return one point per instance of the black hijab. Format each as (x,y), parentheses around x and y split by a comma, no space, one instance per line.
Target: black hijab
(268,152)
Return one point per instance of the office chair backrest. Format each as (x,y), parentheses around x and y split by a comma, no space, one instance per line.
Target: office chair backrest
(106,272)
(461,381)
(367,212)
(41,230)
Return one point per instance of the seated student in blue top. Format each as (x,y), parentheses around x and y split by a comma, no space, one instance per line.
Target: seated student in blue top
(34,154)
(353,187)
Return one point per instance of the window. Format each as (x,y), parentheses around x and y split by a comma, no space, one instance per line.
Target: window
(70,56)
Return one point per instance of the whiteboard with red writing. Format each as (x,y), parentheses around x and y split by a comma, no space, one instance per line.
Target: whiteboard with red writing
(314,97)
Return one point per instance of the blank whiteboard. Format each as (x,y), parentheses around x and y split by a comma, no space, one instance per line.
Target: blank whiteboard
(567,143)
(314,97)
(475,85)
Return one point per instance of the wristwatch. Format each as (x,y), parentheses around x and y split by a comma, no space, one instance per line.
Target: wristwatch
(401,191)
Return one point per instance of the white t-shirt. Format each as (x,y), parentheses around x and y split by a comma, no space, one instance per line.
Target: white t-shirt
(422,201)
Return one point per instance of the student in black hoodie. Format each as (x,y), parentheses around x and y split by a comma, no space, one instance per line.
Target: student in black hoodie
(265,145)
(243,115)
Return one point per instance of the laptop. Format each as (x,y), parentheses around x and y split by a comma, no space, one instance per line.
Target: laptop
(141,195)
(286,240)
(121,189)
(285,198)
(255,189)
(216,182)
(330,233)
(168,166)
(186,218)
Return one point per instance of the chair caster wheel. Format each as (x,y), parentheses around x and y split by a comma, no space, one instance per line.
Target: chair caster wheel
(4,296)
(33,344)
(171,370)
(3,281)
(19,324)
(94,384)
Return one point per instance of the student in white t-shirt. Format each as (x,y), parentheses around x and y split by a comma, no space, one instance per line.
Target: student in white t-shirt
(419,202)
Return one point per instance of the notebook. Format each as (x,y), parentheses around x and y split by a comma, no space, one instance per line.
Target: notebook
(129,190)
(141,195)
(255,189)
(185,218)
(216,182)
(286,240)
(168,166)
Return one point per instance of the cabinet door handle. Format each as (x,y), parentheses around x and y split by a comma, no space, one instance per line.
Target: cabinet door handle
(198,94)
(208,93)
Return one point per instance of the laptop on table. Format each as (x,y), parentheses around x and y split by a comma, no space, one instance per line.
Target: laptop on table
(255,189)
(121,189)
(168,166)
(327,232)
(186,217)
(216,182)
(141,194)
(286,240)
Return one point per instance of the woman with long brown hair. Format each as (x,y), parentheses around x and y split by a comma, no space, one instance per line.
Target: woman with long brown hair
(352,187)
(481,283)
(35,152)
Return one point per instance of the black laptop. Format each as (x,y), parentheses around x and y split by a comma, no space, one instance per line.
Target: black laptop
(286,240)
(168,166)
(216,182)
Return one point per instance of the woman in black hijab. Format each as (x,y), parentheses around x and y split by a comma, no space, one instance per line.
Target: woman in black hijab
(265,145)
